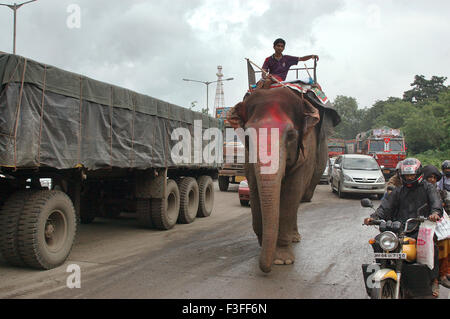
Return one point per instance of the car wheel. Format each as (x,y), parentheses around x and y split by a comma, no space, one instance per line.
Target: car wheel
(244,202)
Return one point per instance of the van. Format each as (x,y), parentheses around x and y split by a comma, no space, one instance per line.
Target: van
(357,174)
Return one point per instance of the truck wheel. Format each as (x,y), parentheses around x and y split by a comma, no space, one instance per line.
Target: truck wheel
(189,200)
(47,229)
(223,183)
(206,191)
(9,223)
(165,212)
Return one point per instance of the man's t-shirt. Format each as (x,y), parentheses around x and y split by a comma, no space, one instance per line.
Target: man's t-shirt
(279,68)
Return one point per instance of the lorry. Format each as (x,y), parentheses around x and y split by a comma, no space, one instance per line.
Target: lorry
(336,147)
(386,145)
(101,149)
(232,170)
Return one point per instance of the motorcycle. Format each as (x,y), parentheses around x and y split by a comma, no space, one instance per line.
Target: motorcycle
(395,274)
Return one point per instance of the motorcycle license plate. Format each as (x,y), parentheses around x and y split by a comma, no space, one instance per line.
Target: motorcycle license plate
(390,256)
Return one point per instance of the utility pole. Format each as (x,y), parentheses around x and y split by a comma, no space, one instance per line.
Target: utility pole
(15,7)
(207,83)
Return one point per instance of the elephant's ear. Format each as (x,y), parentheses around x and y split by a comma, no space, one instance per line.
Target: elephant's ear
(237,116)
(310,119)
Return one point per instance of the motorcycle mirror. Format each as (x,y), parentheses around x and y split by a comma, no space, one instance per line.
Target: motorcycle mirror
(366,202)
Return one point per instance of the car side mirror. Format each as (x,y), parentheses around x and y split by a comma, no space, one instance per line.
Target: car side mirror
(366,202)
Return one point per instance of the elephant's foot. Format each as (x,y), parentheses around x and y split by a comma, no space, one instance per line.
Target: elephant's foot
(284,256)
(296,237)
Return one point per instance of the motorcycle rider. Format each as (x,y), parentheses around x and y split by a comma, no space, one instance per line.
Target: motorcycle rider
(444,183)
(404,202)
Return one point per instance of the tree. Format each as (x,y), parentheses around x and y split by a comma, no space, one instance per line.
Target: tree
(351,117)
(395,113)
(377,110)
(422,132)
(424,89)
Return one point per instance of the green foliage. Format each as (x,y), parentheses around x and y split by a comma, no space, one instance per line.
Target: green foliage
(424,89)
(432,157)
(423,115)
(351,117)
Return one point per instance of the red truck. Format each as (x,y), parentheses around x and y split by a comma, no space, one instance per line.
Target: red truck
(336,147)
(386,145)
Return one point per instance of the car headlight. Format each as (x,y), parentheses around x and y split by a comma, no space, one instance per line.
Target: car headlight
(388,241)
(243,184)
(381,179)
(347,178)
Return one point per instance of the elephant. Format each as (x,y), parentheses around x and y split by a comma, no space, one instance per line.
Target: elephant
(302,154)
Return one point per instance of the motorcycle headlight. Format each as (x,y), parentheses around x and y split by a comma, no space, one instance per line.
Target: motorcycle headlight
(348,178)
(388,241)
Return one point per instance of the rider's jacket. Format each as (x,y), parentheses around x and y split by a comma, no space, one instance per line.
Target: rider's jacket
(404,202)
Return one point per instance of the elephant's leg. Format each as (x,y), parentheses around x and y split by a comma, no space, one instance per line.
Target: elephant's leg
(290,198)
(296,237)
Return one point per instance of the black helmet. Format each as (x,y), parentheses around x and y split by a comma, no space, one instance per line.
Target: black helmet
(411,166)
(445,165)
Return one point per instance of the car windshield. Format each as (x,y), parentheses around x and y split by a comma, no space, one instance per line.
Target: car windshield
(360,164)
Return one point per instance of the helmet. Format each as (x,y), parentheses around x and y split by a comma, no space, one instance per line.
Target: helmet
(445,165)
(411,166)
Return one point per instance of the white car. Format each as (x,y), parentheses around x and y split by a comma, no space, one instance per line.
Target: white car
(359,174)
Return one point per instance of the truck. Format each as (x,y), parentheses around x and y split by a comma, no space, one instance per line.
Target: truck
(232,170)
(336,147)
(73,148)
(385,144)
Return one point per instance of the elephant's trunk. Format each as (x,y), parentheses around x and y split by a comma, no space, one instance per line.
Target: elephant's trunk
(269,188)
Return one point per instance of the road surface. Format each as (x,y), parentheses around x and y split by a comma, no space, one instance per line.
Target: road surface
(214,257)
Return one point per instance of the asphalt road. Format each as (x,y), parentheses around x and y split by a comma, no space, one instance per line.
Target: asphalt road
(214,257)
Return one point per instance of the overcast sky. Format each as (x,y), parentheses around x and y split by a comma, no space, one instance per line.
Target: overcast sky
(369,50)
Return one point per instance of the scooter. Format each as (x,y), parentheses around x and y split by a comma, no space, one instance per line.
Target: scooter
(395,274)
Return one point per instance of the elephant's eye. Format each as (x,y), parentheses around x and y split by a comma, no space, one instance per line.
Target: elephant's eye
(291,135)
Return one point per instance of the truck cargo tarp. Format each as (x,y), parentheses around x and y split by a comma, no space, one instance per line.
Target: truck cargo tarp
(53,118)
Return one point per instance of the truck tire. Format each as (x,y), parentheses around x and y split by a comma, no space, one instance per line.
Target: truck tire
(47,229)
(189,200)
(165,212)
(206,195)
(9,224)
(223,183)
